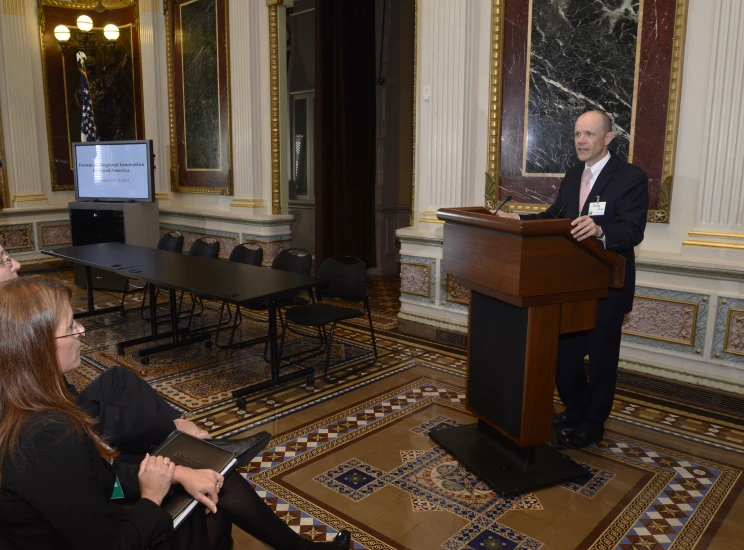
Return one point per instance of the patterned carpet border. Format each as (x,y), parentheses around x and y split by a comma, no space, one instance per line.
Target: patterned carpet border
(672,511)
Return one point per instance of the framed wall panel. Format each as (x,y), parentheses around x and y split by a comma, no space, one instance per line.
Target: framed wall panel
(199,96)
(569,57)
(114,72)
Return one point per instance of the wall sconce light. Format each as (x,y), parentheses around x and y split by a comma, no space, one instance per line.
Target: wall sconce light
(111,32)
(61,33)
(84,23)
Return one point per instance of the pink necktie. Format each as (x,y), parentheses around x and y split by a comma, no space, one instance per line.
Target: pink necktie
(586,186)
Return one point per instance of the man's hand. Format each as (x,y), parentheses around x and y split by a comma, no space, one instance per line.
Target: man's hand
(188,427)
(502,214)
(584,227)
(203,485)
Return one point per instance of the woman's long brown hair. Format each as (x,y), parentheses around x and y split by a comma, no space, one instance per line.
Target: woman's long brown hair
(31,309)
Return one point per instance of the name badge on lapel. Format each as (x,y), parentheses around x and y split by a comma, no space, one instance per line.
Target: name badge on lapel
(597,208)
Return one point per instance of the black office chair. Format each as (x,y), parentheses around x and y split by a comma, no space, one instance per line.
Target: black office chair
(169,242)
(204,247)
(345,277)
(247,253)
(295,260)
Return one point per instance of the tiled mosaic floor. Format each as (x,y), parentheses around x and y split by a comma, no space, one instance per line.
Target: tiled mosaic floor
(335,471)
(354,453)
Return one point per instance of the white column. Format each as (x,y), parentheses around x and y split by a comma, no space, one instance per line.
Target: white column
(155,90)
(249,100)
(21,140)
(721,197)
(453,56)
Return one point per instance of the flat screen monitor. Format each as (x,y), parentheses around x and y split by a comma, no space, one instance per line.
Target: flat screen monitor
(113,171)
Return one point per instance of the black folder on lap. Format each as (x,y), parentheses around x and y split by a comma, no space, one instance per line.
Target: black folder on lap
(191,452)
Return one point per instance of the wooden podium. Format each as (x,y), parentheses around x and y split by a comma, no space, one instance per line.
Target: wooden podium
(531,281)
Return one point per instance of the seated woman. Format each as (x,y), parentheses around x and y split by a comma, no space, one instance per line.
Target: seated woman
(57,474)
(129,414)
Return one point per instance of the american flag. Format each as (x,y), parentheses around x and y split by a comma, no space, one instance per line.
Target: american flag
(87,124)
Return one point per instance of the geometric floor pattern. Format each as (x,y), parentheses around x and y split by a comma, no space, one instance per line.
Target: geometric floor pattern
(670,507)
(355,453)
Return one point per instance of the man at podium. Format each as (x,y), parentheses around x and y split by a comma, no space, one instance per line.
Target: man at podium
(607,199)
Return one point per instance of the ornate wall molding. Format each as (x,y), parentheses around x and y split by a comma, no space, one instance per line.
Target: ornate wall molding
(418,278)
(728,338)
(208,172)
(276,190)
(4,188)
(668,319)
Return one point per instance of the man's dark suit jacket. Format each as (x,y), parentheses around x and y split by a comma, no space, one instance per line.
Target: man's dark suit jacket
(624,188)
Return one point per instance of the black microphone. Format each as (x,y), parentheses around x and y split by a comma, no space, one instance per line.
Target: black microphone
(558,215)
(507,199)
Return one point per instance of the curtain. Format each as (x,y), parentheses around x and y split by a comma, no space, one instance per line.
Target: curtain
(345,133)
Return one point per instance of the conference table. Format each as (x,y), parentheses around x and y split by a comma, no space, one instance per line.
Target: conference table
(210,278)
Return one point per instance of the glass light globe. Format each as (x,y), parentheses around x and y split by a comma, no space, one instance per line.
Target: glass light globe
(111,32)
(61,33)
(84,23)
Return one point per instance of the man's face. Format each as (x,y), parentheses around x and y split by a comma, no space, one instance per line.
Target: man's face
(590,138)
(8,266)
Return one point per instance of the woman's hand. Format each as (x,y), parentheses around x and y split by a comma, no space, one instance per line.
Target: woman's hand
(188,427)
(203,485)
(155,477)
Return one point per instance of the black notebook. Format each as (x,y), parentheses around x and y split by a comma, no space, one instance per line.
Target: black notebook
(191,452)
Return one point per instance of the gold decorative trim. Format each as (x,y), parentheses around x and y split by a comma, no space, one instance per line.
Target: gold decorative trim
(29,197)
(526,208)
(726,349)
(87,4)
(661,214)
(428,279)
(4,187)
(200,190)
(248,203)
(162,196)
(495,96)
(716,234)
(429,216)
(695,306)
(447,283)
(168,16)
(732,246)
(276,191)
(415,93)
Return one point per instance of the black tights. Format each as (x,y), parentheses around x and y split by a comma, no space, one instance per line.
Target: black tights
(240,505)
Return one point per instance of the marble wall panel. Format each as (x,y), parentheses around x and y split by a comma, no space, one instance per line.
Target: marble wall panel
(17,237)
(198,67)
(728,335)
(576,55)
(582,56)
(201,96)
(668,319)
(418,278)
(54,234)
(227,239)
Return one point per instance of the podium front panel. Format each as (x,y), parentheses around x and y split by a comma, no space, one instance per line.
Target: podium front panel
(497,353)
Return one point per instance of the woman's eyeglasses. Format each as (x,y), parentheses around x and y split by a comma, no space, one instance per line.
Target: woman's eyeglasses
(78,330)
(5,259)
